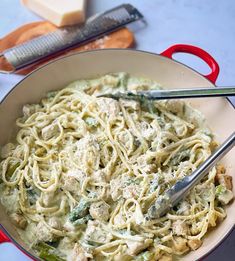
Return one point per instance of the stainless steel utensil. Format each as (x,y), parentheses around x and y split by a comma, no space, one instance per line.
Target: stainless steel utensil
(172,94)
(172,196)
(69,36)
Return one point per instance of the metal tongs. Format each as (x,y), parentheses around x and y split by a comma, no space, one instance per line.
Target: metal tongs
(172,196)
(172,94)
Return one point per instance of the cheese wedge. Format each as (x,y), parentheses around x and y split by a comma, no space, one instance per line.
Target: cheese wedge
(58,12)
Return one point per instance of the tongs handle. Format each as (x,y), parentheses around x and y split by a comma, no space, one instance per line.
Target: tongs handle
(172,196)
(172,94)
(188,93)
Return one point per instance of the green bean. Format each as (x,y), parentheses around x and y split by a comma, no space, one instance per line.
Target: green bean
(48,253)
(82,220)
(181,156)
(79,211)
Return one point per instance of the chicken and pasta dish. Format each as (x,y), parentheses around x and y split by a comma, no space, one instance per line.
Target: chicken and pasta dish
(83,171)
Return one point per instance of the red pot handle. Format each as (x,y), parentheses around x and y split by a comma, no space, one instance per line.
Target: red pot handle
(206,57)
(3,238)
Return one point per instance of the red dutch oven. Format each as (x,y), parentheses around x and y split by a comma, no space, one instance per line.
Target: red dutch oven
(162,68)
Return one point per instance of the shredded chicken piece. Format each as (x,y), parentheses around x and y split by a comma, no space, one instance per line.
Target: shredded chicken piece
(145,165)
(70,183)
(116,188)
(100,210)
(180,228)
(99,176)
(180,245)
(225,197)
(48,198)
(225,180)
(18,220)
(131,191)
(194,243)
(136,247)
(175,106)
(110,80)
(119,220)
(78,254)
(109,106)
(50,131)
(55,222)
(95,233)
(147,131)
(29,109)
(220,169)
(43,233)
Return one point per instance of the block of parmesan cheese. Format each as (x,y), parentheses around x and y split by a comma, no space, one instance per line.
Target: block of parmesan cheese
(58,12)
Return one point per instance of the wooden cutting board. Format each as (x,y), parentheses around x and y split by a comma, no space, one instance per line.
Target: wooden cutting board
(123,38)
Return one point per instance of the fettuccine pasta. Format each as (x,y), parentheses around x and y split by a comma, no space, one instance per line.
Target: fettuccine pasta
(83,171)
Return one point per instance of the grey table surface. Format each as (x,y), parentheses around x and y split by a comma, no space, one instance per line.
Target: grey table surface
(209,24)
